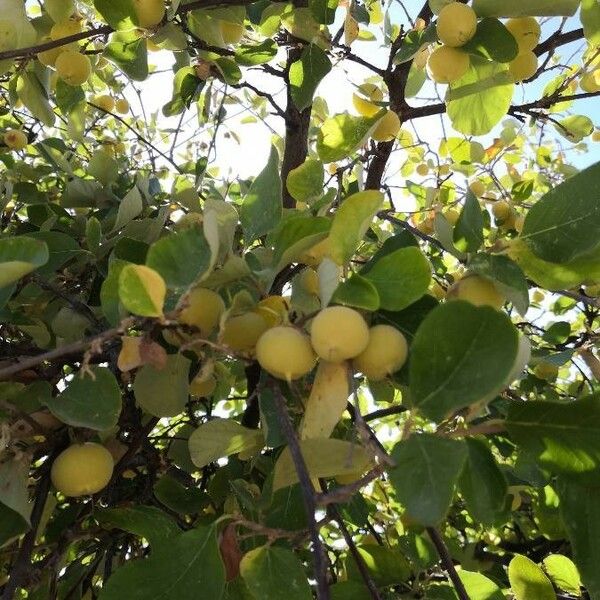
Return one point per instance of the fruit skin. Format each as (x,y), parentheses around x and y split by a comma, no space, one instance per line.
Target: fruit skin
(285,352)
(149,12)
(273,310)
(73,68)
(596,136)
(524,66)
(241,333)
(447,64)
(203,387)
(546,370)
(452,216)
(65,29)
(204,309)
(385,353)
(501,210)
(338,333)
(367,91)
(590,82)
(82,469)
(105,102)
(478,291)
(422,169)
(48,57)
(387,128)
(456,24)
(15,139)
(526,30)
(122,106)
(477,187)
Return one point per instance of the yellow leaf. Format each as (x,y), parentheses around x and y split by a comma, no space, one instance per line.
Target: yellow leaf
(142,290)
(351,29)
(129,357)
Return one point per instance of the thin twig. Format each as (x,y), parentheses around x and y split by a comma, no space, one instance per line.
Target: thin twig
(446,559)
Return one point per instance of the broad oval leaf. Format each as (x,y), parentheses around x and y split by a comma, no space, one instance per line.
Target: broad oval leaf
(19,256)
(528,581)
(142,290)
(306,74)
(305,182)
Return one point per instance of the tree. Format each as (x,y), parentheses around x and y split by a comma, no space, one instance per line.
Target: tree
(369,370)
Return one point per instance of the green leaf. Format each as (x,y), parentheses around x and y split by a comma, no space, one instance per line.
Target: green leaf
(119,14)
(386,566)
(427,469)
(531,8)
(528,581)
(142,290)
(506,275)
(176,497)
(482,483)
(478,101)
(357,291)
(19,256)
(180,258)
(400,278)
(33,95)
(340,135)
(563,573)
(91,400)
(14,496)
(350,223)
(67,96)
(492,41)
(323,10)
(350,590)
(590,19)
(305,183)
(221,437)
(563,437)
(185,568)
(147,522)
(229,70)
(163,393)
(186,88)
(112,308)
(262,206)
(479,587)
(461,355)
(275,573)
(468,231)
(255,54)
(564,223)
(413,41)
(306,74)
(127,50)
(575,128)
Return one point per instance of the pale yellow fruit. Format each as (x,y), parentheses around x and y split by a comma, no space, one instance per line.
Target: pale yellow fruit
(204,309)
(364,100)
(82,469)
(478,291)
(231,32)
(526,30)
(122,106)
(596,136)
(387,128)
(241,333)
(15,139)
(65,29)
(273,310)
(477,187)
(338,333)
(546,370)
(73,68)
(149,13)
(452,215)
(447,64)
(444,170)
(285,352)
(456,24)
(422,169)
(590,82)
(48,57)
(425,224)
(59,10)
(524,66)
(203,387)
(105,102)
(385,353)
(501,210)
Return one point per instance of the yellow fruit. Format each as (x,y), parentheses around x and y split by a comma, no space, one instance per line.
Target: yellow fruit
(444,170)
(452,215)
(526,30)
(524,66)
(59,10)
(313,256)
(547,371)
(15,139)
(538,296)
(122,106)
(364,100)
(231,32)
(82,469)
(422,169)
(285,352)
(501,210)
(73,68)
(149,13)
(338,333)
(447,64)
(203,387)
(242,332)
(48,57)
(478,291)
(425,224)
(477,187)
(273,310)
(204,309)
(596,136)
(387,128)
(309,281)
(332,168)
(456,24)
(518,223)
(105,102)
(385,353)
(590,82)
(65,29)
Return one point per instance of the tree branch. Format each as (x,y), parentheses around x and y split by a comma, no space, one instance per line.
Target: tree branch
(446,559)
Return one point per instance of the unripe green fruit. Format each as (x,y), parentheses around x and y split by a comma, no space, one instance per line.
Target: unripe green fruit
(338,333)
(285,352)
(385,353)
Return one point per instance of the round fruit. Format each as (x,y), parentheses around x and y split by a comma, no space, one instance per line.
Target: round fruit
(478,291)
(385,353)
(456,24)
(73,68)
(231,32)
(546,370)
(364,100)
(448,64)
(477,187)
(15,139)
(242,332)
(526,30)
(149,13)
(59,10)
(105,102)
(338,333)
(122,106)
(285,352)
(452,215)
(82,469)
(524,66)
(502,210)
(65,29)
(590,82)
(422,169)
(48,57)
(204,309)
(444,170)
(387,128)
(596,136)
(273,310)
(203,387)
